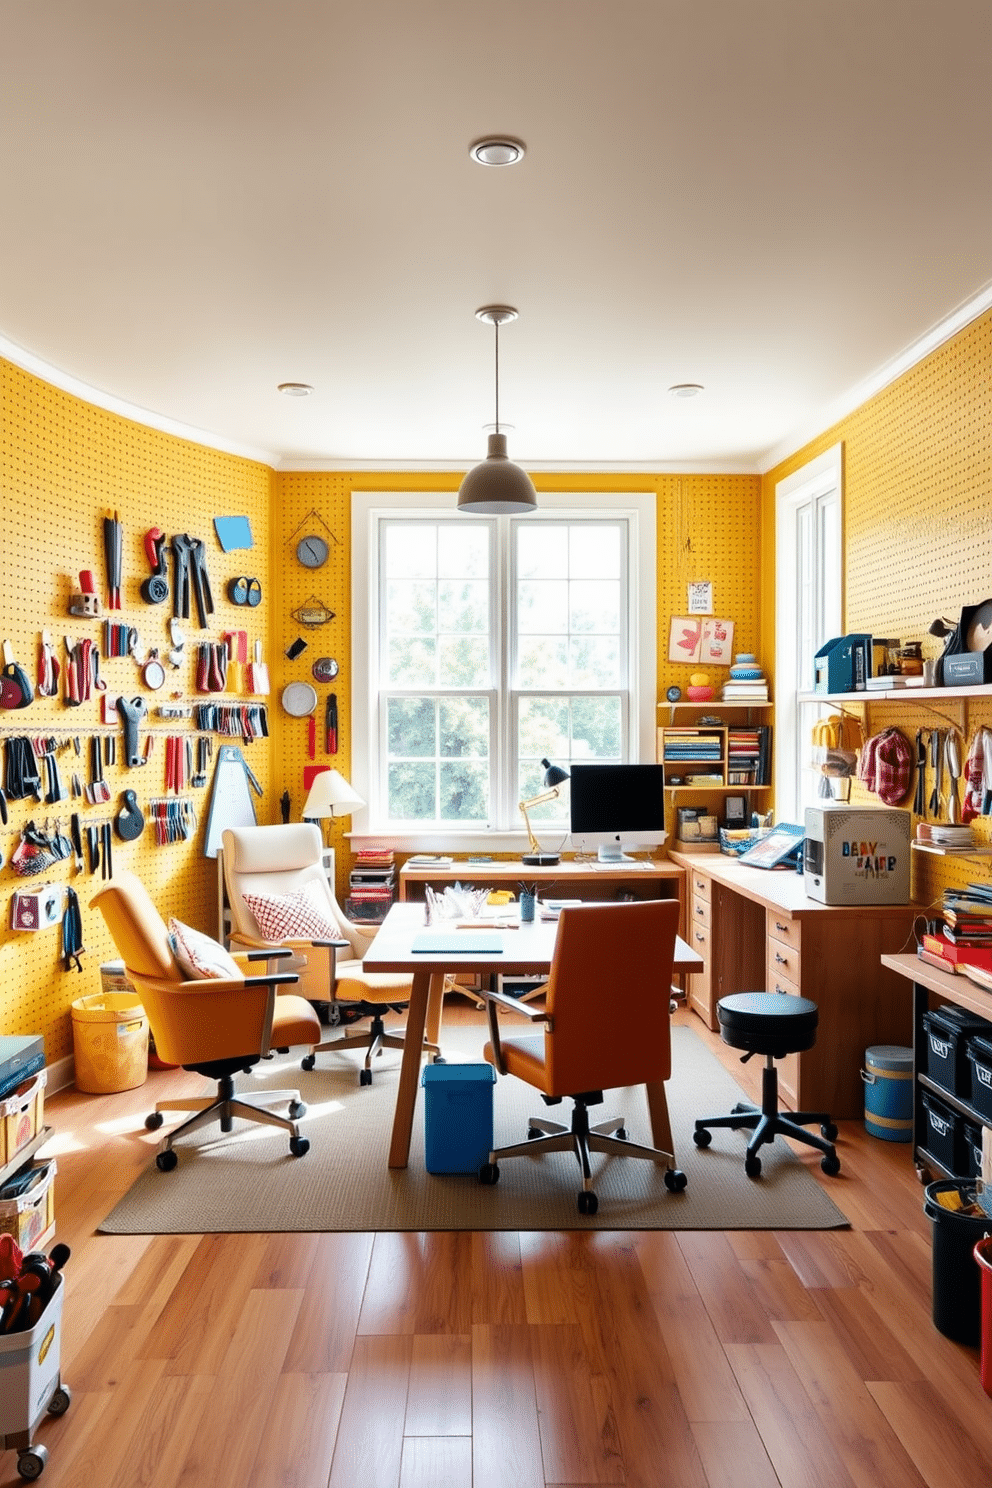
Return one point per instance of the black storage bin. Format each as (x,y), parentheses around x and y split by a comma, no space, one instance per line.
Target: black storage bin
(944,1138)
(948,1030)
(957,1288)
(971,1144)
(980,1060)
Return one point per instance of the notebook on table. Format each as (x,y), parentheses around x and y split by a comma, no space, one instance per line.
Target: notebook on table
(457,942)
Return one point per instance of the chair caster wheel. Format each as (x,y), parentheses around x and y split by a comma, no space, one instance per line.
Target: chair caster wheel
(829,1132)
(299,1146)
(675,1180)
(166,1161)
(830,1164)
(588,1202)
(308,1061)
(621,1134)
(702,1137)
(296,1110)
(752,1167)
(31,1464)
(489,1174)
(154,1120)
(365,1077)
(533,1134)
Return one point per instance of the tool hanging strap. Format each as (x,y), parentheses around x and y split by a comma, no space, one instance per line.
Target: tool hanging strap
(72,931)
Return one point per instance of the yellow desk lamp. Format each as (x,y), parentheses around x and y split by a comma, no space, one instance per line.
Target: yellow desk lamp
(554,779)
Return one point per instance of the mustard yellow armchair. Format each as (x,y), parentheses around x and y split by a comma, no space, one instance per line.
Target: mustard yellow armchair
(607,1023)
(279,897)
(218,1026)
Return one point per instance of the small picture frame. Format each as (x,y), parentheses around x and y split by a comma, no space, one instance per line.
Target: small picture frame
(684,638)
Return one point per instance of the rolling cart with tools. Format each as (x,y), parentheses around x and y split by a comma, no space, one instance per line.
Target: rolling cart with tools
(31,1386)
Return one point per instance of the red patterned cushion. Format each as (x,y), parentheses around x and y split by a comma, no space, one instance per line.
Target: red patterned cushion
(296,916)
(200,957)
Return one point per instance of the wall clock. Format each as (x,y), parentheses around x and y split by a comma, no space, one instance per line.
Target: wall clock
(312,551)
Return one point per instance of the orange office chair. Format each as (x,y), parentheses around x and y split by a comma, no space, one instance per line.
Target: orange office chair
(280,898)
(607,1024)
(216,1025)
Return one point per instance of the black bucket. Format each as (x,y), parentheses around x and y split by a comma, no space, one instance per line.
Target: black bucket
(957,1290)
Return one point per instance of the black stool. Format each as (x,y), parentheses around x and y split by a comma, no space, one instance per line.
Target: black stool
(773,1024)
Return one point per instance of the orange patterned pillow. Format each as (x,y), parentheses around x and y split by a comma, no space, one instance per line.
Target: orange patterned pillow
(296,916)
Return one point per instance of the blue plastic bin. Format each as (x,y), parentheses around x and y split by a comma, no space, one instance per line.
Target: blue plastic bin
(458,1116)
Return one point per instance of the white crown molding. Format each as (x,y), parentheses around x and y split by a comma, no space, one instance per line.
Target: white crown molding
(917,351)
(28,362)
(642,468)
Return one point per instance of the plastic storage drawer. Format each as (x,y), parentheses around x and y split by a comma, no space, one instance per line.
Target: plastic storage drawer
(947,1031)
(971,1141)
(944,1136)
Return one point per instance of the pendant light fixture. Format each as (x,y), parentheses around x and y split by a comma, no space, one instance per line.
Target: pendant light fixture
(497,487)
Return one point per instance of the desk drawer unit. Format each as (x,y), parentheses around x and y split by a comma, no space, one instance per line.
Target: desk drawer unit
(701,982)
(782,974)
(700,885)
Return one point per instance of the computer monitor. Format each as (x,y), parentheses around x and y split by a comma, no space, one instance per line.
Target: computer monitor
(616,807)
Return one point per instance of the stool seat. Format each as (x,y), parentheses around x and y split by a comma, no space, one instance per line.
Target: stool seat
(772,1023)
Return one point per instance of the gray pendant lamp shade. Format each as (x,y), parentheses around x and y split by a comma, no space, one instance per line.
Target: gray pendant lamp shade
(497,487)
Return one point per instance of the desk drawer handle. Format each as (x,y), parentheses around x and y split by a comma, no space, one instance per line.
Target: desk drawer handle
(782,960)
(780,926)
(700,938)
(700,911)
(781,990)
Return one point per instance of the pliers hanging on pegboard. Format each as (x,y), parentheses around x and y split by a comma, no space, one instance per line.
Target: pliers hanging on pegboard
(920,800)
(189,560)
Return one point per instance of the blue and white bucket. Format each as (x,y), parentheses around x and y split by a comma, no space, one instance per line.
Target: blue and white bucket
(888,1079)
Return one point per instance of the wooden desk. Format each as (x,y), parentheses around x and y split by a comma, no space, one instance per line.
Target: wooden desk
(930,988)
(527,949)
(757,930)
(647,878)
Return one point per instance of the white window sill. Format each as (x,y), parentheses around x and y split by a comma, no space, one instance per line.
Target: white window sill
(457,842)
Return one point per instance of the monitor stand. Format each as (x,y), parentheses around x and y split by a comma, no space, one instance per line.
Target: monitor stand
(614,855)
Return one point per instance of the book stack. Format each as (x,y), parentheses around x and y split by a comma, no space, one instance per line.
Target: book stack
(371,886)
(968,915)
(750,689)
(748,754)
(689,746)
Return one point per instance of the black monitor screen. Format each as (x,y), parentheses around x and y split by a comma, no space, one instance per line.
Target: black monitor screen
(617,800)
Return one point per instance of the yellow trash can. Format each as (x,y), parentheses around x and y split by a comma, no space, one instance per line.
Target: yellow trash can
(110,1042)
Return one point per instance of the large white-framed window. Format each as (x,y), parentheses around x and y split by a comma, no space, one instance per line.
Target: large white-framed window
(481,645)
(808,612)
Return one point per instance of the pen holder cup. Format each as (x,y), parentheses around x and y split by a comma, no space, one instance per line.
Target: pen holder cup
(527,906)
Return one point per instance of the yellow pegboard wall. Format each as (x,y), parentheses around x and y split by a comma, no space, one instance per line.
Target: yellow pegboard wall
(64,466)
(917,520)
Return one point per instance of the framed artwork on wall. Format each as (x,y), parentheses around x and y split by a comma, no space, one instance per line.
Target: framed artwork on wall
(705,640)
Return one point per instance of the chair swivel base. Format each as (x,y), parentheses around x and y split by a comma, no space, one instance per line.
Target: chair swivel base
(609,1137)
(223,1108)
(374,1040)
(767,1121)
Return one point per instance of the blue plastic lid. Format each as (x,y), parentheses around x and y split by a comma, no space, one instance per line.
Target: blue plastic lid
(438,1074)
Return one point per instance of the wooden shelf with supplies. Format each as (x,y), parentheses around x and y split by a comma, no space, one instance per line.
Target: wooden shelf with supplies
(709,762)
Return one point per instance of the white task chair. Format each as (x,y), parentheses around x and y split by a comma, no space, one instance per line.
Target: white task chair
(279,897)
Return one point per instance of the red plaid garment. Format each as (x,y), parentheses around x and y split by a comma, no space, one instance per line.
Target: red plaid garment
(886,766)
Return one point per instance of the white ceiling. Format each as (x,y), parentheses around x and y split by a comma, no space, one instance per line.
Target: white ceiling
(774,198)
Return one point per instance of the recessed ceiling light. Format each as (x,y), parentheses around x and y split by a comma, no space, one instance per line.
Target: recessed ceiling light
(295,389)
(497,150)
(686,389)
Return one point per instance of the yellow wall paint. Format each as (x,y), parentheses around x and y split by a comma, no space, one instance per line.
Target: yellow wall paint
(64,465)
(917,520)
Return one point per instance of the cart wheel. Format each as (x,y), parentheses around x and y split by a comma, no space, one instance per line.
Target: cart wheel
(166,1161)
(60,1401)
(153,1121)
(296,1110)
(31,1464)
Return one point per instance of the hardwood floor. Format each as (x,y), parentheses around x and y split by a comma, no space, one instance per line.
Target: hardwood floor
(550,1360)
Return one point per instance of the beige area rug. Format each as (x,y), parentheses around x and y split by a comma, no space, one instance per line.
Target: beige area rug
(247,1181)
